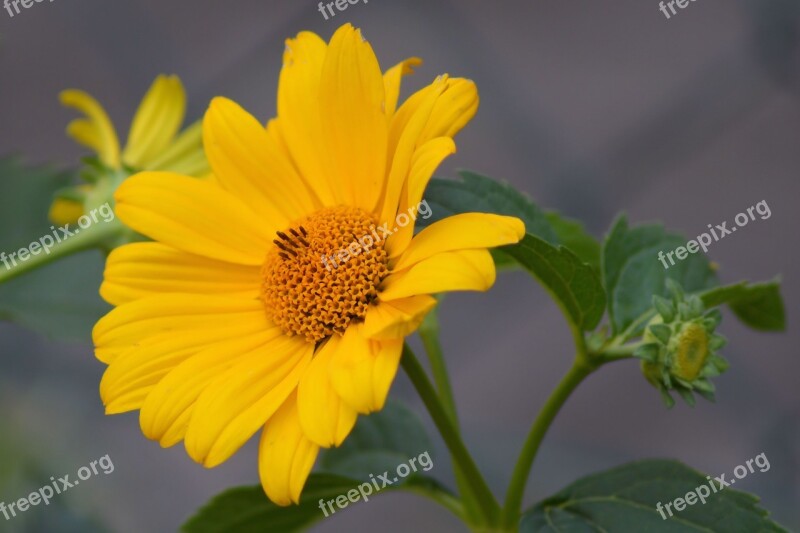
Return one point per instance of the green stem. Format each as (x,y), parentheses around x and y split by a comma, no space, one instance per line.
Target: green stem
(445,499)
(516,489)
(615,353)
(623,337)
(429,333)
(485,499)
(11,267)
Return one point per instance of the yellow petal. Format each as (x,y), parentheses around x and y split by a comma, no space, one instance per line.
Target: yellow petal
(396,319)
(464,270)
(156,122)
(454,109)
(239,401)
(325,419)
(131,376)
(406,129)
(247,163)
(276,136)
(353,117)
(461,232)
(455,102)
(97,132)
(392,79)
(300,114)
(145,269)
(195,216)
(64,211)
(132,324)
(166,411)
(184,155)
(424,163)
(285,455)
(362,370)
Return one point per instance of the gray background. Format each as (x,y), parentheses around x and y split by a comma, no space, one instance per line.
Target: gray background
(590,107)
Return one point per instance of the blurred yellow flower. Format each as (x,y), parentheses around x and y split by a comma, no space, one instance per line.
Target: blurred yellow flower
(230,322)
(154,142)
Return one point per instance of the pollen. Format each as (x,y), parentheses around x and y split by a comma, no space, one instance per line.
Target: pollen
(323,273)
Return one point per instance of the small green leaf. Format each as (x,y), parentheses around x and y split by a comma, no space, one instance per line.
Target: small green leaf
(633,273)
(626,498)
(758,305)
(247,509)
(573,284)
(379,442)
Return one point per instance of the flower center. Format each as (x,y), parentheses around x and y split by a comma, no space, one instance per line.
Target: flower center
(692,351)
(323,272)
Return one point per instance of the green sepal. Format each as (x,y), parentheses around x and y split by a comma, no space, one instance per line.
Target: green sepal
(717,342)
(664,307)
(687,396)
(708,395)
(72,194)
(669,401)
(661,332)
(93,170)
(647,352)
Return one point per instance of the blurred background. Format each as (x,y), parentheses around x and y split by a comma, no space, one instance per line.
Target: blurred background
(590,107)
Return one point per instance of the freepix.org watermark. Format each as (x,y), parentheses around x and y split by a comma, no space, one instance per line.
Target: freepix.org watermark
(366,242)
(702,492)
(57,486)
(682,4)
(341,5)
(719,232)
(9,4)
(59,235)
(380,483)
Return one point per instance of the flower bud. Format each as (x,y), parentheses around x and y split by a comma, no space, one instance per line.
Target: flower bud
(678,349)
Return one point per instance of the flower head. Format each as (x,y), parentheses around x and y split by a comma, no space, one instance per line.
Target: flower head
(679,347)
(276,296)
(154,143)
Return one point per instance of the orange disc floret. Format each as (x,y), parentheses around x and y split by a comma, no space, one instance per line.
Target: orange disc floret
(311,289)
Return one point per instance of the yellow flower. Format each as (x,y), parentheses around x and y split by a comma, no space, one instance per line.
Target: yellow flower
(231,322)
(153,140)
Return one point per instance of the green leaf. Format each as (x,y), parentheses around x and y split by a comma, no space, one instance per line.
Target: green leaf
(21,469)
(247,509)
(479,194)
(377,446)
(758,305)
(61,300)
(624,499)
(574,285)
(633,273)
(25,202)
(379,442)
(571,234)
